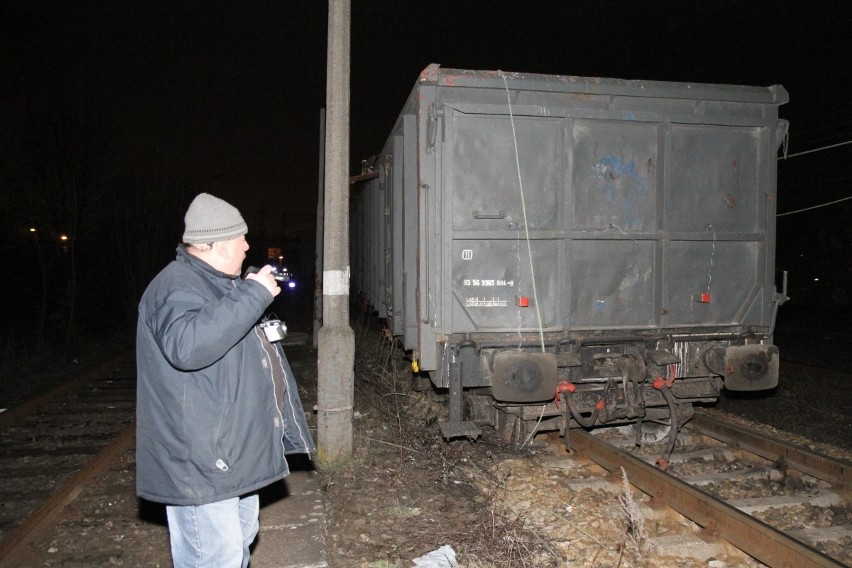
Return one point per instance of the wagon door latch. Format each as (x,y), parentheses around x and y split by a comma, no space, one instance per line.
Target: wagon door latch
(434,116)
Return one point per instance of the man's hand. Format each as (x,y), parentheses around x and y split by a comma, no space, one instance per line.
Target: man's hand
(264,276)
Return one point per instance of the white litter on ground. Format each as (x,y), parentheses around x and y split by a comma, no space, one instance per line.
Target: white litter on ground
(444,557)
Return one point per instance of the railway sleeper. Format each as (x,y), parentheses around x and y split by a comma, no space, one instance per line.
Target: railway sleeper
(767,473)
(823,534)
(816,498)
(706,455)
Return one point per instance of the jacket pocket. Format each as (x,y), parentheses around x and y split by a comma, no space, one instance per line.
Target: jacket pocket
(223,443)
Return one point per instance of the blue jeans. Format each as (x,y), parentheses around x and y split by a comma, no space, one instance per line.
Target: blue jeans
(216,535)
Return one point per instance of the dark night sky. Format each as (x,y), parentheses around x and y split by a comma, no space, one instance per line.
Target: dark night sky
(228,94)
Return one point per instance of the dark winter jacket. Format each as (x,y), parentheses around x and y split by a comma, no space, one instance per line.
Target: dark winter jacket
(217,405)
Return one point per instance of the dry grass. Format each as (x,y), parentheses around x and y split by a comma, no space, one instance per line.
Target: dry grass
(424,485)
(633,518)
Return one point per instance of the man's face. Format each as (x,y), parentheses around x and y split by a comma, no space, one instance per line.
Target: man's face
(233,253)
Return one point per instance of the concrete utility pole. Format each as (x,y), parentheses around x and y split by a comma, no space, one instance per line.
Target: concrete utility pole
(336,352)
(320,233)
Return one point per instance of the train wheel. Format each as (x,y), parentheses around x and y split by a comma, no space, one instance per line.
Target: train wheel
(658,427)
(653,432)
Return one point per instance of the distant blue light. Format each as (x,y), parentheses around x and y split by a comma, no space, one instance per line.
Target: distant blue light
(291,284)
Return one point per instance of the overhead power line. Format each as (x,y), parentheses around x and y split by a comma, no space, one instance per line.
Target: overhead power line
(816,150)
(814,207)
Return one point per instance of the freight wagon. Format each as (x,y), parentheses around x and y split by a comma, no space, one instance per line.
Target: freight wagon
(560,251)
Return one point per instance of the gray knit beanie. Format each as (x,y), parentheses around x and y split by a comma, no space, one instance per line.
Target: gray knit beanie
(210,219)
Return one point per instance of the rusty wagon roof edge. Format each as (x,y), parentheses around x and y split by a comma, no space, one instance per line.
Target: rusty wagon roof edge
(435,74)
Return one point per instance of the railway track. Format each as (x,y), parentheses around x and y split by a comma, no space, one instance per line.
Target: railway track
(781,504)
(52,445)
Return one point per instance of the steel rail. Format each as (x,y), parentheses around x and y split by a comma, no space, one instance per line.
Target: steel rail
(18,413)
(813,463)
(15,547)
(750,535)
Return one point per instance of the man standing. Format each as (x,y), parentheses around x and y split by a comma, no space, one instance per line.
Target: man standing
(217,407)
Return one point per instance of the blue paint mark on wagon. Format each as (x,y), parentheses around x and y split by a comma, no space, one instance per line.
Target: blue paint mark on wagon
(611,168)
